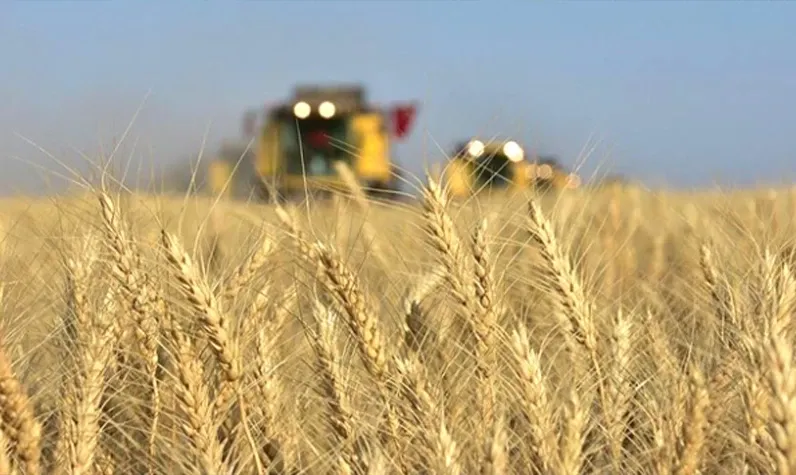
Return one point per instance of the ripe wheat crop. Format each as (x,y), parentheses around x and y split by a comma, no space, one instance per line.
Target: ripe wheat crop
(593,331)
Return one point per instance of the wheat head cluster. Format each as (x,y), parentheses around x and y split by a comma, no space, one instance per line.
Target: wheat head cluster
(591,331)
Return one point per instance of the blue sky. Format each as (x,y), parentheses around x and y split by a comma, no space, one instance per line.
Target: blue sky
(674,93)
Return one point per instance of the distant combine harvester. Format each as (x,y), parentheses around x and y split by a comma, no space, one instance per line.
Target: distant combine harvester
(299,141)
(500,166)
(299,145)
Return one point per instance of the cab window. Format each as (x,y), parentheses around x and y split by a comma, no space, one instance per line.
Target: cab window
(493,170)
(316,142)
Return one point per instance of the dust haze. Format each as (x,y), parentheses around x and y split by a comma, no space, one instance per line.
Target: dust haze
(50,148)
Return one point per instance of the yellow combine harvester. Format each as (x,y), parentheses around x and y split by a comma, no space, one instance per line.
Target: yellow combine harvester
(298,143)
(479,166)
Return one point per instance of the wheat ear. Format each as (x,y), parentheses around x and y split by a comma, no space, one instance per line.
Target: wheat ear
(328,366)
(19,422)
(215,325)
(201,424)
(536,404)
(692,439)
(568,293)
(136,287)
(782,406)
(364,324)
(619,389)
(428,415)
(484,323)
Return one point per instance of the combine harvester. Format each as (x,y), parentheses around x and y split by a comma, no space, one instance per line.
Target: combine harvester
(298,143)
(498,167)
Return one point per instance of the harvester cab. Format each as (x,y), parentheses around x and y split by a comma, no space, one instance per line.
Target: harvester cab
(302,139)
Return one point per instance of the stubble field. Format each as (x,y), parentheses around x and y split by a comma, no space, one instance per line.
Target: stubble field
(611,331)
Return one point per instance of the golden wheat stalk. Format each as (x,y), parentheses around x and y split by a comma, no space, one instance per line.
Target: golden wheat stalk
(6,465)
(19,422)
(692,439)
(93,340)
(495,450)
(214,321)
(722,304)
(135,283)
(200,424)
(427,413)
(143,300)
(782,406)
(536,404)
(443,237)
(569,294)
(618,387)
(361,200)
(484,324)
(270,389)
(363,322)
(96,344)
(328,366)
(215,324)
(244,273)
(575,420)
(78,282)
(415,325)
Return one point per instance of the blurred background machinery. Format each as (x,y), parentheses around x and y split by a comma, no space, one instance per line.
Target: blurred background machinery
(501,166)
(296,144)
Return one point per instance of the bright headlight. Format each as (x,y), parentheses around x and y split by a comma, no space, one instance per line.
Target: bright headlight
(327,110)
(513,151)
(302,110)
(475,148)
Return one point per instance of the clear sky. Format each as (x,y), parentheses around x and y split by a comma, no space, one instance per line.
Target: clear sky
(675,93)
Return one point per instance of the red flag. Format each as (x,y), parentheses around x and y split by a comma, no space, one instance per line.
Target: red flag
(403,117)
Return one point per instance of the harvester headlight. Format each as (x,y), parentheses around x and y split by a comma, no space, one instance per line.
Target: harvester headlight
(302,110)
(513,151)
(327,109)
(475,148)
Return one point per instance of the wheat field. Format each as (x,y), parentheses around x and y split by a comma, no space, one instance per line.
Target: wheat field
(592,331)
